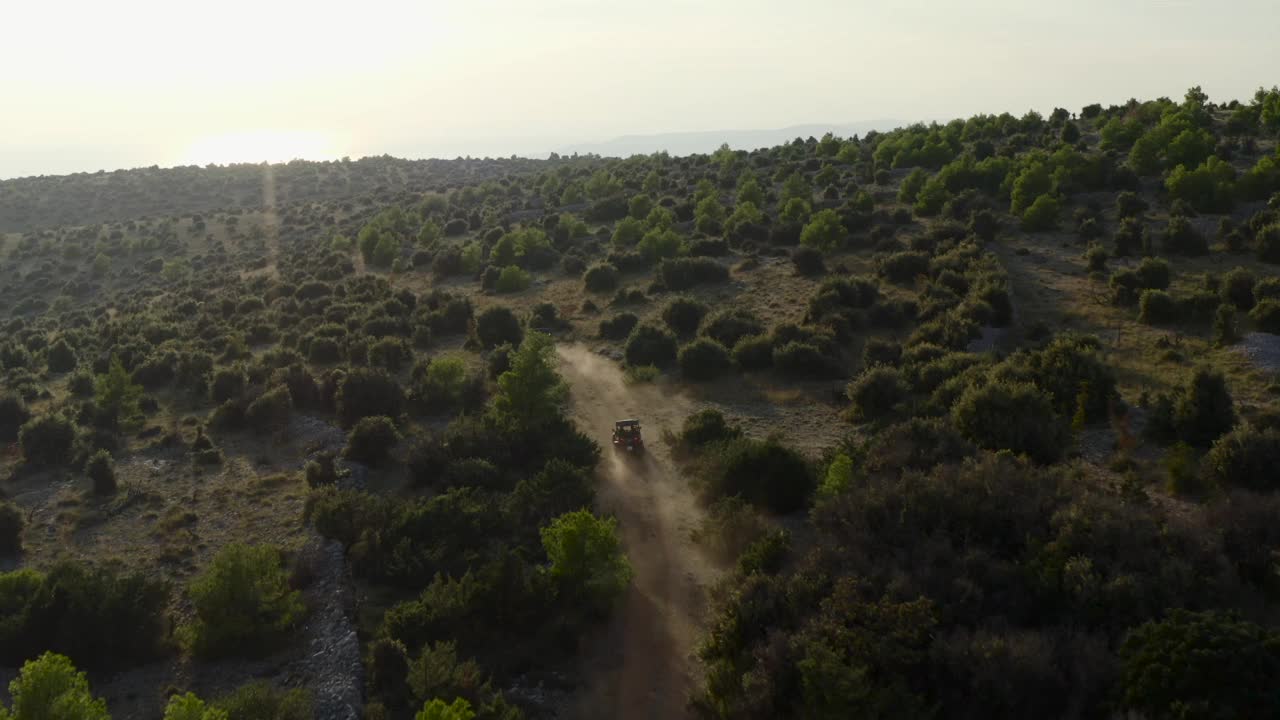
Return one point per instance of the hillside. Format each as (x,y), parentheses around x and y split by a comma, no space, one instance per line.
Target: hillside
(975,419)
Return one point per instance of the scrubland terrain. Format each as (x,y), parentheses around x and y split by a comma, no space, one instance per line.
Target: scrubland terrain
(974,420)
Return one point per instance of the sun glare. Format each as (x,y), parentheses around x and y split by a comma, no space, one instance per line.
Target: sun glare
(260,146)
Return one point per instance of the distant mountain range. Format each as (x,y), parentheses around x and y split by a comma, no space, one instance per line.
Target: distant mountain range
(707,141)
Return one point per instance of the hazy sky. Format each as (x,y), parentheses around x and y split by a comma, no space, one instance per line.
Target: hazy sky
(88,85)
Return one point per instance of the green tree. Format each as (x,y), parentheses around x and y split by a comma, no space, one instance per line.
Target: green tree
(824,232)
(602,185)
(459,709)
(838,478)
(749,190)
(652,182)
(190,707)
(911,185)
(50,688)
(709,215)
(659,244)
(243,604)
(1043,214)
(640,206)
(586,557)
(796,210)
(531,394)
(795,186)
(116,395)
(628,232)
(430,233)
(385,251)
(1201,666)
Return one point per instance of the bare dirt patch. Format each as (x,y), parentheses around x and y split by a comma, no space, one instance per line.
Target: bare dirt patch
(642,666)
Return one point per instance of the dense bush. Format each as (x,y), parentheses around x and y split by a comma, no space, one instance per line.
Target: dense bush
(270,411)
(876,392)
(1011,416)
(11,524)
(587,562)
(13,415)
(754,352)
(1157,307)
(1205,409)
(764,473)
(805,360)
(1266,315)
(683,315)
(512,279)
(100,616)
(49,686)
(684,273)
(243,604)
(498,325)
(651,345)
(729,326)
(704,359)
(371,440)
(1154,273)
(101,470)
(365,393)
(1182,238)
(904,267)
(259,700)
(1200,665)
(705,427)
(47,440)
(1266,243)
(228,383)
(619,326)
(1246,457)
(61,357)
(601,278)
(808,261)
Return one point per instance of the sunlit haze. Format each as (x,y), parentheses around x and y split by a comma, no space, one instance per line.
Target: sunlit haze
(93,85)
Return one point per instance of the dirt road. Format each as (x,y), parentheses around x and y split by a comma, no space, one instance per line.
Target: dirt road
(643,666)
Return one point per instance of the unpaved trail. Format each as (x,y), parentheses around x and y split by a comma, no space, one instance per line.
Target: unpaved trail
(643,666)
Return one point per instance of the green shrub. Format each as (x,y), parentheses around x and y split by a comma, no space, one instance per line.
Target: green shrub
(1246,457)
(905,266)
(705,427)
(1267,243)
(765,473)
(1157,307)
(242,604)
(61,357)
(371,440)
(102,472)
(1205,409)
(271,410)
(1154,273)
(366,393)
(587,561)
(1225,331)
(512,279)
(11,524)
(1043,214)
(1182,238)
(704,359)
(808,261)
(259,700)
(619,326)
(1237,288)
(47,440)
(1266,316)
(13,415)
(389,353)
(805,360)
(228,383)
(824,232)
(99,615)
(683,315)
(498,325)
(1011,416)
(876,392)
(50,688)
(754,352)
(1200,665)
(683,273)
(190,707)
(651,345)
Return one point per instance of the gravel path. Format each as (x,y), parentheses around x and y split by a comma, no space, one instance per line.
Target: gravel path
(1261,348)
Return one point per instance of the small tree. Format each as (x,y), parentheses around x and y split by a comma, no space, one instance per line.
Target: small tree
(459,709)
(50,688)
(47,440)
(531,394)
(704,359)
(242,602)
(102,471)
(824,233)
(116,395)
(1043,214)
(1224,326)
(651,345)
(586,558)
(1205,409)
(498,325)
(11,524)
(371,440)
(191,707)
